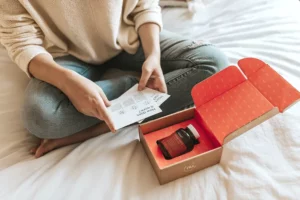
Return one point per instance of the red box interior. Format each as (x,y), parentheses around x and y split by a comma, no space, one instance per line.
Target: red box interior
(205,143)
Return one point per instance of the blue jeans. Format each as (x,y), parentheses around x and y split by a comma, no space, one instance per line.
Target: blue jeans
(48,113)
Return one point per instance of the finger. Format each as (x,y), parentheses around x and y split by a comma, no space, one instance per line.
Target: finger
(161,81)
(151,83)
(144,79)
(105,116)
(97,115)
(104,98)
(162,86)
(109,123)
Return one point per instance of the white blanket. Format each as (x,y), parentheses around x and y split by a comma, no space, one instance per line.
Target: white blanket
(263,163)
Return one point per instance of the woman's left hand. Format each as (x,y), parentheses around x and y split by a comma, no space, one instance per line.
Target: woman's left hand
(152,75)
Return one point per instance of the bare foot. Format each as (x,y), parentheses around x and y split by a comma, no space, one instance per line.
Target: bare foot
(47,145)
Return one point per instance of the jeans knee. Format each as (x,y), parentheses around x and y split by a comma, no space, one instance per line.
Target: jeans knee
(38,114)
(38,120)
(210,57)
(219,58)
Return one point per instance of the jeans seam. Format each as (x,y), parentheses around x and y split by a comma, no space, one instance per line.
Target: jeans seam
(198,46)
(175,79)
(188,59)
(191,61)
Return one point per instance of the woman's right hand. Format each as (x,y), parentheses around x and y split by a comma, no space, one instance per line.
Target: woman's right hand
(87,97)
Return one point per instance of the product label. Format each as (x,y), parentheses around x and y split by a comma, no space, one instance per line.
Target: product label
(174,145)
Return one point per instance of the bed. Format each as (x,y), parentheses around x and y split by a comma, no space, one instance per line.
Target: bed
(263,163)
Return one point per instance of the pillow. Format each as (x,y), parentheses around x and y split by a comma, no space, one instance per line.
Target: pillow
(174,3)
(192,5)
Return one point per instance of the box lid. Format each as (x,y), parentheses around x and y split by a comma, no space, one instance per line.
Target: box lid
(273,86)
(216,85)
(231,99)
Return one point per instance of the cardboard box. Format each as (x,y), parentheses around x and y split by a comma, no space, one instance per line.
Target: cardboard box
(227,104)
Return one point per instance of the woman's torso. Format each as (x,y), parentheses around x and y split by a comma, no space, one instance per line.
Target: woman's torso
(93,31)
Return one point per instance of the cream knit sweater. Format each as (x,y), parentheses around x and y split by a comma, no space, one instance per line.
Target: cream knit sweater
(91,30)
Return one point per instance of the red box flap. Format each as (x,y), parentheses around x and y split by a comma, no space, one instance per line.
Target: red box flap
(227,101)
(250,65)
(216,85)
(234,109)
(274,87)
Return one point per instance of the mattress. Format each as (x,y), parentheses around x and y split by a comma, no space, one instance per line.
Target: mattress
(263,163)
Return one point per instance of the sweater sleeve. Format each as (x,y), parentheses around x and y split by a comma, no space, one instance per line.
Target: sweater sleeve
(19,34)
(147,11)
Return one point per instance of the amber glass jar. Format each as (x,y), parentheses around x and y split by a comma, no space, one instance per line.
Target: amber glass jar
(180,142)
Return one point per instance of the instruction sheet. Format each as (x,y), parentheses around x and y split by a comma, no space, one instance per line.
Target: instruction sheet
(134,106)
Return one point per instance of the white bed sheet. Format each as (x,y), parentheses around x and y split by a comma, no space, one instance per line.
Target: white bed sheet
(264,163)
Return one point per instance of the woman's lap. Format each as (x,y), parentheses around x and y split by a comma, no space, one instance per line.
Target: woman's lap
(49,114)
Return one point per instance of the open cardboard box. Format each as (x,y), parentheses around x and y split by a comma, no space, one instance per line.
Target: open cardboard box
(227,104)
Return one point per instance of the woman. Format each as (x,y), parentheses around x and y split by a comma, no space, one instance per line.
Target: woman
(65,47)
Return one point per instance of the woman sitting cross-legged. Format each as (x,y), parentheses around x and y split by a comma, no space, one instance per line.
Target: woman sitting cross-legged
(69,49)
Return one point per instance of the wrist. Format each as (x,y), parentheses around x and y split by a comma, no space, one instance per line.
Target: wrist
(46,69)
(154,55)
(149,35)
(64,77)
